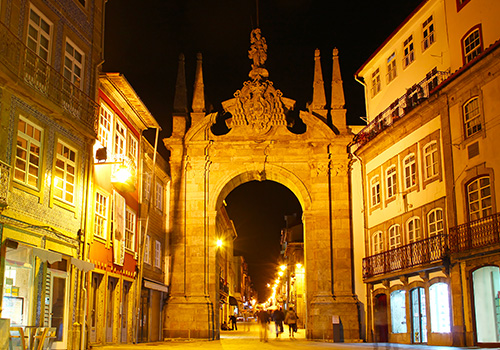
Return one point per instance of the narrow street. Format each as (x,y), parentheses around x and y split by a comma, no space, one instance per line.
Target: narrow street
(243,339)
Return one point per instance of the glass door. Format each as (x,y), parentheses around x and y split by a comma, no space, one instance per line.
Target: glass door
(56,307)
(419,315)
(486,281)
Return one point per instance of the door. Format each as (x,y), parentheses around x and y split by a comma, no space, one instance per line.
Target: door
(381,324)
(419,315)
(486,284)
(144,320)
(110,308)
(124,313)
(56,306)
(94,304)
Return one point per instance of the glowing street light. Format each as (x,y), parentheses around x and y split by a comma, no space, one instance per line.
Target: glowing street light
(219,243)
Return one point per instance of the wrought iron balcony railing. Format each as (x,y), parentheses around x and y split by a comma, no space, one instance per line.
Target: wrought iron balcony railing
(475,234)
(4,184)
(426,251)
(402,106)
(34,72)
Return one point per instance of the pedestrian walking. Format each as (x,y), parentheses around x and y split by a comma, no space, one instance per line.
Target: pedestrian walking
(263,317)
(232,318)
(291,320)
(278,317)
(246,319)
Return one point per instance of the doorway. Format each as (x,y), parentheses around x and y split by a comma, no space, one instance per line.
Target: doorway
(56,307)
(419,315)
(94,304)
(110,307)
(486,285)
(381,326)
(124,313)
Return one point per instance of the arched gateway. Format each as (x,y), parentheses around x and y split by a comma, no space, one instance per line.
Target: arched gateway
(206,167)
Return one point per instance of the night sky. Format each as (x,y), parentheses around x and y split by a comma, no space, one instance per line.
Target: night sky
(143,40)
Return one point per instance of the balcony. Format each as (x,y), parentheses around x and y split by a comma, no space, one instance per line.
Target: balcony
(475,234)
(4,184)
(414,96)
(424,252)
(32,71)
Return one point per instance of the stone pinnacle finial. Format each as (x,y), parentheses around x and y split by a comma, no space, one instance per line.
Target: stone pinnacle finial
(319,97)
(199,89)
(180,96)
(338,100)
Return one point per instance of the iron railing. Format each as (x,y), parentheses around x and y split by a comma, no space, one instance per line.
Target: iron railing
(33,71)
(418,253)
(401,106)
(475,234)
(4,183)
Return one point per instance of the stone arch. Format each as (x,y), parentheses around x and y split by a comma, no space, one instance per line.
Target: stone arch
(254,172)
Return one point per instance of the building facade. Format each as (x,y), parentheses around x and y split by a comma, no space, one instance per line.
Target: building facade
(426,170)
(49,57)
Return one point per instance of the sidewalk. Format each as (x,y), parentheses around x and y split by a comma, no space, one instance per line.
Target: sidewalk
(249,340)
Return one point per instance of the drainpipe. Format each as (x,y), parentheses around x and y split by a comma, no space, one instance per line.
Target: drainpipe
(358,79)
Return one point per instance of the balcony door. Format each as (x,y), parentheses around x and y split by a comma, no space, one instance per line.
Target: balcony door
(419,315)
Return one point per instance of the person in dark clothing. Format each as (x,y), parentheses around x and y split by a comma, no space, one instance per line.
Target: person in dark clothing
(232,318)
(278,317)
(291,320)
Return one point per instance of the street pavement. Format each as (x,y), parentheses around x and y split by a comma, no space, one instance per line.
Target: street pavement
(247,338)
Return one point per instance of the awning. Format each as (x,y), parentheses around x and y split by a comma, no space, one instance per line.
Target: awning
(47,255)
(82,265)
(155,286)
(233,301)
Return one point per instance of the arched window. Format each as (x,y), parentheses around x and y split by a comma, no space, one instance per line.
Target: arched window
(472,117)
(413,229)
(435,224)
(377,243)
(394,236)
(472,44)
(439,300)
(410,171)
(479,198)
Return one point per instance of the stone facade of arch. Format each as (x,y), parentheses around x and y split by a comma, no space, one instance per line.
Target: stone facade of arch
(206,167)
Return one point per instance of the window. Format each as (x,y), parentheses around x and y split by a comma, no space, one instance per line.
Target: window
(39,34)
(472,117)
(147,250)
(159,196)
(461,3)
(376,86)
(377,243)
(101,215)
(105,122)
(413,229)
(479,196)
(65,173)
(132,146)
(398,311)
(130,229)
(394,236)
(410,171)
(120,138)
(391,68)
(375,191)
(472,45)
(427,33)
(408,52)
(440,308)
(73,63)
(147,185)
(28,151)
(391,182)
(435,222)
(157,254)
(431,160)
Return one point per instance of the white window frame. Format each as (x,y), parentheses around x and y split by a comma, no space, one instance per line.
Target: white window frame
(410,171)
(105,124)
(65,166)
(392,71)
(132,148)
(376,83)
(435,222)
(101,214)
(431,160)
(428,33)
(159,196)
(479,198)
(120,141)
(472,45)
(157,254)
(394,236)
(472,117)
(377,243)
(32,137)
(130,229)
(391,181)
(146,190)
(375,191)
(74,59)
(409,51)
(39,39)
(147,250)
(414,229)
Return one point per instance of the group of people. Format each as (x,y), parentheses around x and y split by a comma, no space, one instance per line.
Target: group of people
(279,317)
